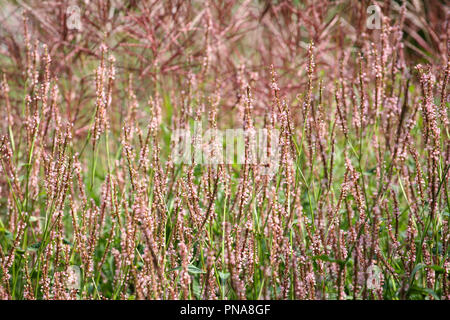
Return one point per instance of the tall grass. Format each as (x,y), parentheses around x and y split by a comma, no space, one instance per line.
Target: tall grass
(358,207)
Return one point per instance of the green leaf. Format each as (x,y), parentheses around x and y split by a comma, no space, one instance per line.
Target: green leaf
(224,275)
(194,270)
(197,289)
(35,246)
(191,269)
(423,291)
(437,268)
(8,235)
(416,268)
(198,171)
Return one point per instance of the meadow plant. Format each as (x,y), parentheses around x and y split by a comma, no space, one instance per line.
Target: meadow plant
(344,196)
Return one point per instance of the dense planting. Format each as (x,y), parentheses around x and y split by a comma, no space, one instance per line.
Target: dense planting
(95,202)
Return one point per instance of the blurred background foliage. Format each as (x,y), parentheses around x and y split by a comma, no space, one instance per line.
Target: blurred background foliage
(223,43)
